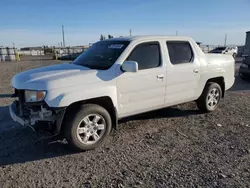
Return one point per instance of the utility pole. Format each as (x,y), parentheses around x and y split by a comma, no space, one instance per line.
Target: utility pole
(130,32)
(176,33)
(14,48)
(63,36)
(225,43)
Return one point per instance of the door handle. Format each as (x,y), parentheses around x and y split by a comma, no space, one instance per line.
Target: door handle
(195,70)
(160,77)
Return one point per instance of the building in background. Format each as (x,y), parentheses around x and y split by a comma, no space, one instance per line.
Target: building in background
(33,51)
(69,53)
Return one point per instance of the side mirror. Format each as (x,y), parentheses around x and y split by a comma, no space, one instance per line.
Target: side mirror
(130,66)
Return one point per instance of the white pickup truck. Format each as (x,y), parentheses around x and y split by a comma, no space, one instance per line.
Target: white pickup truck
(117,78)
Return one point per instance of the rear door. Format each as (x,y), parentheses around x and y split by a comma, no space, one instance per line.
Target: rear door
(183,72)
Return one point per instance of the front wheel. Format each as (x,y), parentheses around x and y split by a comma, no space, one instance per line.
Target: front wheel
(87,128)
(210,97)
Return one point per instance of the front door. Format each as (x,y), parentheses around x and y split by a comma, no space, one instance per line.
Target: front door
(144,90)
(183,73)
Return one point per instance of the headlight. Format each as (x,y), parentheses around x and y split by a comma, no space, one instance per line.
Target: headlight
(34,96)
(244,65)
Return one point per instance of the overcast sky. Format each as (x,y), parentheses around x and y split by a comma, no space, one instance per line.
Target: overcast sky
(36,23)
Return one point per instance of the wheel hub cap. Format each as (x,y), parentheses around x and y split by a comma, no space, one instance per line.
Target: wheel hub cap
(213,98)
(91,129)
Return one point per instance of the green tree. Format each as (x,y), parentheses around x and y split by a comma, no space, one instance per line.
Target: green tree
(110,37)
(102,37)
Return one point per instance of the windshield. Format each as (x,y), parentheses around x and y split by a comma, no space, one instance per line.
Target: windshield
(102,55)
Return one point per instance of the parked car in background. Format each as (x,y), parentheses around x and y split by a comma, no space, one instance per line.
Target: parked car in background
(244,71)
(226,50)
(246,52)
(117,78)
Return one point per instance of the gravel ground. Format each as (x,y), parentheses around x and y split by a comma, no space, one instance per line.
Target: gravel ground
(173,147)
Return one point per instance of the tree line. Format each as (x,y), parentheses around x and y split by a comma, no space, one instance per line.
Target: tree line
(102,37)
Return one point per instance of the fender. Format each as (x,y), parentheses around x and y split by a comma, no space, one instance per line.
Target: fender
(205,76)
(64,97)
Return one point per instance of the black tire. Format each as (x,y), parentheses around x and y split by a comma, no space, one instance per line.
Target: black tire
(244,78)
(202,102)
(234,55)
(241,76)
(73,120)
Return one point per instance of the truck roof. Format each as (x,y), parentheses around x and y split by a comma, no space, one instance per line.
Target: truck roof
(145,37)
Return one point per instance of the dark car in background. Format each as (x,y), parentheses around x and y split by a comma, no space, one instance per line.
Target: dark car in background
(244,71)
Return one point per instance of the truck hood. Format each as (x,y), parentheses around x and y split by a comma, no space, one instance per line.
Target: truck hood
(55,76)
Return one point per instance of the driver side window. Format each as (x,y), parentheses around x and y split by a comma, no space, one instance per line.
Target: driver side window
(147,55)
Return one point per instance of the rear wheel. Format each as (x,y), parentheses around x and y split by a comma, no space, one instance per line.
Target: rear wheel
(88,128)
(241,76)
(210,97)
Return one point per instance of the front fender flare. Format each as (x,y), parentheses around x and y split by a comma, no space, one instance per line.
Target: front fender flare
(66,98)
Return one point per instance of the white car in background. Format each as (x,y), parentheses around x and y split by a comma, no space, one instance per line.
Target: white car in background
(226,50)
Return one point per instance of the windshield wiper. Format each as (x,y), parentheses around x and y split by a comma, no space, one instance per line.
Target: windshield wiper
(95,67)
(88,66)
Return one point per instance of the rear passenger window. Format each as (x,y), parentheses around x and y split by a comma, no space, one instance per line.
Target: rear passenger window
(147,55)
(180,52)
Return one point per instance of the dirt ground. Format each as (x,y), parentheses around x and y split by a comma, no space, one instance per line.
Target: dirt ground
(173,147)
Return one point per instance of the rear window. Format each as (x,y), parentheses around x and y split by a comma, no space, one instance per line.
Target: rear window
(180,52)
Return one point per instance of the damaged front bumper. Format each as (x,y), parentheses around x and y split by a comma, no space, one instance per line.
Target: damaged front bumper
(38,117)
(15,117)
